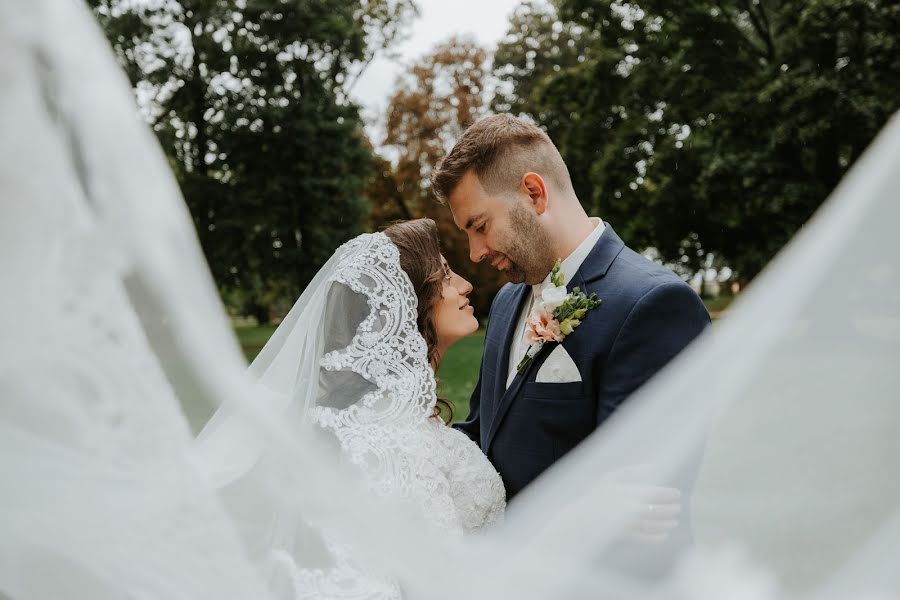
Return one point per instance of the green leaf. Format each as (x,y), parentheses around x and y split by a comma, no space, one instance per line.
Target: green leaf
(557,278)
(567,326)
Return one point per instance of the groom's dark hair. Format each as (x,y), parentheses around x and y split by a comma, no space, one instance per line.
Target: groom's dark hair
(500,149)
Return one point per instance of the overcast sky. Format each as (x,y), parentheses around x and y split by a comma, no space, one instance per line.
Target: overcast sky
(485,20)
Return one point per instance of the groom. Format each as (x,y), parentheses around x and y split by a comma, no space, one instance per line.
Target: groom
(510,192)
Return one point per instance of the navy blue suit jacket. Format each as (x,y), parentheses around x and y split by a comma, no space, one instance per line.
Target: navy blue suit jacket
(648,315)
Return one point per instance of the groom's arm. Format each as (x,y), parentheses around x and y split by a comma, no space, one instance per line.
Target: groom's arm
(660,325)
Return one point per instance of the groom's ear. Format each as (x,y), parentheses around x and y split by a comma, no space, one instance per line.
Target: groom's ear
(536,190)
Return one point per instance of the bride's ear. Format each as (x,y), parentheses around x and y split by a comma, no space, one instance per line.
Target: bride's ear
(537,191)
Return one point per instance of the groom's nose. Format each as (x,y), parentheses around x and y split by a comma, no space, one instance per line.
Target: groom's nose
(477,250)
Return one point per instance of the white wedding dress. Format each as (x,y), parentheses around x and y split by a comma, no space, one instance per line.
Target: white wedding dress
(112,332)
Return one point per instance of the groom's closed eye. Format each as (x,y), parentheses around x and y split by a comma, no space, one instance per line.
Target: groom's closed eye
(475,219)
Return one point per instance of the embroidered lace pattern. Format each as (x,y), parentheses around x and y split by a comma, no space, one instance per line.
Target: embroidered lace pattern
(390,432)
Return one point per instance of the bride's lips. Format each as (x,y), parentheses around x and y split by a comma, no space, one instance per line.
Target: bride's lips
(468,307)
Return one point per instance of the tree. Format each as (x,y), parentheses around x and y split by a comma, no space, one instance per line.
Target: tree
(248,100)
(706,126)
(433,102)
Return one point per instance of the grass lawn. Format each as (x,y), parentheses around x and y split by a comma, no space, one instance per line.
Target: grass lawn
(252,339)
(458,373)
(716,306)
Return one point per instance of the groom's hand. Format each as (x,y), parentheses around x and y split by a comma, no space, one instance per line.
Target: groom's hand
(653,511)
(657,517)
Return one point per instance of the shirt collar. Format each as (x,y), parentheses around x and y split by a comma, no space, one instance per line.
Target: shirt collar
(570,265)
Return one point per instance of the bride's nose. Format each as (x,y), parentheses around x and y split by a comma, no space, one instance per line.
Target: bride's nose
(465,288)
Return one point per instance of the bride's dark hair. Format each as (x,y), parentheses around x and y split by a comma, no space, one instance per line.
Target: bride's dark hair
(420,258)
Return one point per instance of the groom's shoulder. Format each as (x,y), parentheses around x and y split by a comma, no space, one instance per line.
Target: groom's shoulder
(503,302)
(505,296)
(638,275)
(508,291)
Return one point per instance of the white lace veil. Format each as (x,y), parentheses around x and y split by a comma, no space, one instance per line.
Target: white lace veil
(347,355)
(98,498)
(347,359)
(112,331)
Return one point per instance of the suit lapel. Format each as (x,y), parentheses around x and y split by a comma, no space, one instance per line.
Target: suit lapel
(508,319)
(513,392)
(593,268)
(600,258)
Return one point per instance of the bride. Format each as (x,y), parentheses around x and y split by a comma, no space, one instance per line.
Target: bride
(356,357)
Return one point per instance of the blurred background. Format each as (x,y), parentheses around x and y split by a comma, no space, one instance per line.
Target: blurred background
(706,132)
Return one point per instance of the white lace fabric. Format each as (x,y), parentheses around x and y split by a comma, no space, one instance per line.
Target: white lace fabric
(387,349)
(390,431)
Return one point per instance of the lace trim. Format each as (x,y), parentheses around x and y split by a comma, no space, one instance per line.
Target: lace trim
(388,349)
(385,439)
(389,433)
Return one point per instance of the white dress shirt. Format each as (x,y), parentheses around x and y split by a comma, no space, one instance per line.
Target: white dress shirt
(569,267)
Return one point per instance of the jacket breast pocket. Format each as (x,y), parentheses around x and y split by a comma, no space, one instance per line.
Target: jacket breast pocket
(554,391)
(565,412)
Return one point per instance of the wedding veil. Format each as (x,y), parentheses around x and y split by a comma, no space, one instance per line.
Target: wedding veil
(93,362)
(347,355)
(113,331)
(347,359)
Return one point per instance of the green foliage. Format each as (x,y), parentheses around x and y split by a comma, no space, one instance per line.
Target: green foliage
(248,99)
(575,308)
(705,126)
(556,276)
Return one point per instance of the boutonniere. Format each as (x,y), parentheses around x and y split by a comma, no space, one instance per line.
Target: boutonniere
(555,315)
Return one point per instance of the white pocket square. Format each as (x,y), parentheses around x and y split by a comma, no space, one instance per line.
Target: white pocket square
(558,368)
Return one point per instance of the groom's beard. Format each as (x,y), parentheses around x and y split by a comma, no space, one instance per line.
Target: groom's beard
(514,273)
(525,265)
(527,249)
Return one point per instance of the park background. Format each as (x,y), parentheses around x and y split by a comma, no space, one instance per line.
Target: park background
(707,132)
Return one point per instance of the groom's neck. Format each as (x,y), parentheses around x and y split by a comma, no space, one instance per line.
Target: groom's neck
(571,227)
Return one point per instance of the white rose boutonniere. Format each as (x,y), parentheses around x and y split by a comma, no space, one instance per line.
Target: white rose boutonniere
(552,297)
(556,315)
